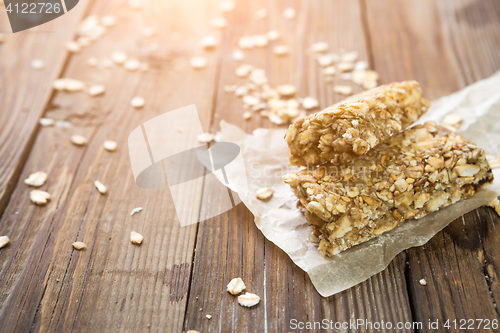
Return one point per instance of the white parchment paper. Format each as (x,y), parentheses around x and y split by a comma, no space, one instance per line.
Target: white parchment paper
(265,155)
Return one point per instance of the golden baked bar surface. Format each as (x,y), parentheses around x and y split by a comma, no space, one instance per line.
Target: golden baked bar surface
(356,125)
(414,173)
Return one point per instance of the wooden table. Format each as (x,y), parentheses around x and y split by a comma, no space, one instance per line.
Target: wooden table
(179,274)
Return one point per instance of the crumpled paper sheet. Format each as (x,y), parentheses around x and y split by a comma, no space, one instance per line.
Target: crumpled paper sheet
(265,155)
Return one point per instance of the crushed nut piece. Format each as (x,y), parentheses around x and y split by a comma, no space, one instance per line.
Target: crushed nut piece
(423,282)
(342,89)
(208,316)
(136,238)
(205,137)
(264,193)
(248,300)
(79,246)
(78,140)
(198,62)
(4,240)
(36,179)
(135,211)
(100,187)
(39,197)
(137,102)
(236,286)
(110,145)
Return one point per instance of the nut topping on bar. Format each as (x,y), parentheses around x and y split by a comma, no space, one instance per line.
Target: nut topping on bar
(410,175)
(353,127)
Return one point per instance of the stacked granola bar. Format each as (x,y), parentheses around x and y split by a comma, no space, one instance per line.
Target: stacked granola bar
(408,175)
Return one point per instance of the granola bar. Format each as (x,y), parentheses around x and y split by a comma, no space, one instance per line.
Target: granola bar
(412,174)
(355,125)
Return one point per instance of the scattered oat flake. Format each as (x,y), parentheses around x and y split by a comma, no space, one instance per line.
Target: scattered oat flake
(192,331)
(361,65)
(83,41)
(261,14)
(79,246)
(96,89)
(46,122)
(144,67)
(198,62)
(326,60)
(248,300)
(345,66)
(208,317)
(37,64)
(4,240)
(100,187)
(273,35)
(349,56)
(63,124)
(92,61)
(236,286)
(264,193)
(344,90)
(119,57)
(289,13)
(310,103)
(78,140)
(68,84)
(132,64)
(241,91)
(137,102)
(136,238)
(286,90)
(39,197)
(423,282)
(135,211)
(110,145)
(260,40)
(107,63)
(148,31)
(36,179)
(108,20)
(281,50)
(218,22)
(73,46)
(319,47)
(238,55)
(208,42)
(246,42)
(330,70)
(226,6)
(205,137)
(247,115)
(250,100)
(244,70)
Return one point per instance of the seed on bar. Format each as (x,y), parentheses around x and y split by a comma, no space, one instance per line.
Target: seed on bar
(110,145)
(119,57)
(136,238)
(135,211)
(4,240)
(198,62)
(289,13)
(344,90)
(46,122)
(218,22)
(205,137)
(39,197)
(137,102)
(100,187)
(208,42)
(236,286)
(78,140)
(273,35)
(264,193)
(248,300)
(36,179)
(281,50)
(261,14)
(37,64)
(96,89)
(79,246)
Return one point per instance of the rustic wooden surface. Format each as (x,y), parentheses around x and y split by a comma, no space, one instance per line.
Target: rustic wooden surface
(178,276)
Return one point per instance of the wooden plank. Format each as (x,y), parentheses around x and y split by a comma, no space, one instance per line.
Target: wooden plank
(24,91)
(113,285)
(230,245)
(439,48)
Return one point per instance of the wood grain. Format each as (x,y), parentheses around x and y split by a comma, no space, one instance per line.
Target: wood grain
(230,245)
(113,285)
(444,52)
(24,91)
